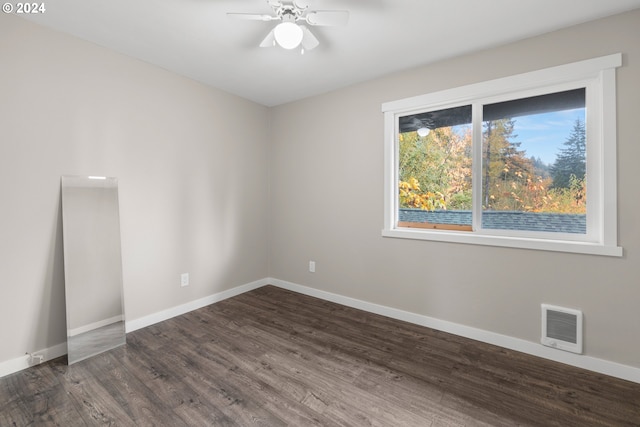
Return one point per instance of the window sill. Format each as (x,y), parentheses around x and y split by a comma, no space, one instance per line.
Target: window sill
(507,242)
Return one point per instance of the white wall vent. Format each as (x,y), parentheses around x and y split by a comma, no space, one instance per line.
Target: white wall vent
(562,328)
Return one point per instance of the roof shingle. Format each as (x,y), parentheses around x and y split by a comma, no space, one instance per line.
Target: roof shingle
(503,220)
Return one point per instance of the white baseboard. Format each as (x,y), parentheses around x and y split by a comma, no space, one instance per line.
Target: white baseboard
(90,327)
(143,322)
(26,361)
(23,362)
(606,367)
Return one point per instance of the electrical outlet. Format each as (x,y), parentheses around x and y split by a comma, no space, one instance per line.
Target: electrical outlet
(312,266)
(184,279)
(35,359)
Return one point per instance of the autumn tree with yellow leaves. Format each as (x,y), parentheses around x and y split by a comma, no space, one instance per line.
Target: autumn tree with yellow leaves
(435,173)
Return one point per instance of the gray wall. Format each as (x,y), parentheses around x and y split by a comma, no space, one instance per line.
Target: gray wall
(194,198)
(327,206)
(192,178)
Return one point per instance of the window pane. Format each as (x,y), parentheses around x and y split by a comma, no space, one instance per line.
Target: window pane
(434,169)
(534,164)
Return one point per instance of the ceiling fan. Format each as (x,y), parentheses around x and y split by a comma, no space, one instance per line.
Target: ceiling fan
(292,32)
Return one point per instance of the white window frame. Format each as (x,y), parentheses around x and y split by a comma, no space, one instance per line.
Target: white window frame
(598,75)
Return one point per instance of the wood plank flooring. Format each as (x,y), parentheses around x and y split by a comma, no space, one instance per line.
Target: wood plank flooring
(271,357)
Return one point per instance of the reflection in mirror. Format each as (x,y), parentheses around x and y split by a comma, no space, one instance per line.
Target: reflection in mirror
(92,266)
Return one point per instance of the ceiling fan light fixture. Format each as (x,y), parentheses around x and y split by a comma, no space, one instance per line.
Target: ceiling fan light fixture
(288,35)
(292,31)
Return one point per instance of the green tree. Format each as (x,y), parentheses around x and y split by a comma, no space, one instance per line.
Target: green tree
(441,165)
(503,164)
(539,167)
(572,158)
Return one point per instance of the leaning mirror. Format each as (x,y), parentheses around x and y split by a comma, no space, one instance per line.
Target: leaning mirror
(92,266)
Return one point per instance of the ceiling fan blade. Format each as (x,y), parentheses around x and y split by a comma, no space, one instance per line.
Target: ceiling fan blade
(269,41)
(309,41)
(330,18)
(252,16)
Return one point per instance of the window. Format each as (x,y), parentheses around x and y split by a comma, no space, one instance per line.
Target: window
(525,161)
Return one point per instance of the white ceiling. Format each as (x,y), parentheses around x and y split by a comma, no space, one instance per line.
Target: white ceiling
(195,38)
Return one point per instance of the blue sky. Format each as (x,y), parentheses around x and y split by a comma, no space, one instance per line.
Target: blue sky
(543,135)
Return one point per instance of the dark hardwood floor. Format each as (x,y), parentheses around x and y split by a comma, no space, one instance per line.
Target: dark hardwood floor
(271,357)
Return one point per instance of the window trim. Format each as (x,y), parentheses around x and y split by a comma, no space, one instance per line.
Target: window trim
(598,75)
